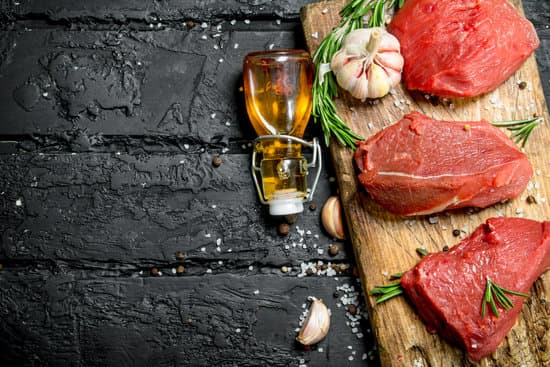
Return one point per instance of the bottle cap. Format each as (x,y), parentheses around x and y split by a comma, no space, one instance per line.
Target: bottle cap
(285,203)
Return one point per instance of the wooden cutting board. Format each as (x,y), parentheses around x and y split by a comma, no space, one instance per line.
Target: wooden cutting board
(385,244)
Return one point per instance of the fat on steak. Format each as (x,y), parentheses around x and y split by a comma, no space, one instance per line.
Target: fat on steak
(461,48)
(420,166)
(447,288)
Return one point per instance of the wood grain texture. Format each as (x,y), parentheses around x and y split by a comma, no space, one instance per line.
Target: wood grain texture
(385,244)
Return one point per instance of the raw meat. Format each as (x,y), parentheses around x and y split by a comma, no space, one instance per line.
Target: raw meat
(421,166)
(461,48)
(447,288)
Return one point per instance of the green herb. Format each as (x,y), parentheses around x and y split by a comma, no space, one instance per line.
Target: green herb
(521,129)
(422,251)
(494,295)
(396,276)
(325,88)
(388,291)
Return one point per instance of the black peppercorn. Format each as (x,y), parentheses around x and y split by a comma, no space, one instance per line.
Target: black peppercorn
(217,161)
(456,232)
(333,249)
(291,218)
(283,229)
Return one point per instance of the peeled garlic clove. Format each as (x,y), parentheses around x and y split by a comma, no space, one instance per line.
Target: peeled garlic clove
(331,217)
(316,324)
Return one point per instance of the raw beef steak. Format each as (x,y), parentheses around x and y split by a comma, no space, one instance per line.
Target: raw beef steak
(421,166)
(447,288)
(461,48)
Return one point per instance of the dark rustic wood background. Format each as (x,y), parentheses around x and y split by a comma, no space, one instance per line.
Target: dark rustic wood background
(110,115)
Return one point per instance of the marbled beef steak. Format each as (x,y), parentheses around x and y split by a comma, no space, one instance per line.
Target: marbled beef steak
(447,288)
(421,166)
(461,48)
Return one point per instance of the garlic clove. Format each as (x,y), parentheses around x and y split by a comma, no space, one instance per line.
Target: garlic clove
(331,217)
(390,60)
(379,84)
(316,324)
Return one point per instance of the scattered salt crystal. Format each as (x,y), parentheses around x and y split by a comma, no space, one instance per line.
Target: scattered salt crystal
(278,21)
(257,291)
(320,251)
(271,46)
(320,350)
(433,220)
(204,37)
(204,25)
(324,11)
(237,330)
(218,249)
(186,146)
(209,271)
(315,35)
(173,270)
(18,202)
(350,358)
(236,45)
(247,21)
(220,61)
(203,249)
(233,22)
(250,268)
(208,235)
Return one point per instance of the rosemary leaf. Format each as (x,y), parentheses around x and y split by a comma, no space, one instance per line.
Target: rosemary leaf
(325,88)
(387,291)
(521,129)
(422,251)
(494,295)
(396,276)
(395,292)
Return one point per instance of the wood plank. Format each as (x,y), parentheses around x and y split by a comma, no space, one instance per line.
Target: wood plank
(141,209)
(144,10)
(385,244)
(166,82)
(102,318)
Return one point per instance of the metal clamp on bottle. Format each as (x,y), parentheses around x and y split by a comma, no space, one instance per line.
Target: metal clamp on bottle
(280,172)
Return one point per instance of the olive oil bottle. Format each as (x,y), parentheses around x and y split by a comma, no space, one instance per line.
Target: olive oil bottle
(277,87)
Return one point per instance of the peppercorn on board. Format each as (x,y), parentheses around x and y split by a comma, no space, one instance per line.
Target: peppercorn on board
(385,244)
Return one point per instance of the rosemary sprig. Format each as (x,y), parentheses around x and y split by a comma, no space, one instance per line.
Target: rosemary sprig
(494,295)
(521,129)
(388,291)
(325,88)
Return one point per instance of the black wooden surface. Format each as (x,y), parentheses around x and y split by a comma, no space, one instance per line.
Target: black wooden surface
(110,115)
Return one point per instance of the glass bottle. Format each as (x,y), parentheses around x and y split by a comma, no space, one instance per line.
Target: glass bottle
(277,88)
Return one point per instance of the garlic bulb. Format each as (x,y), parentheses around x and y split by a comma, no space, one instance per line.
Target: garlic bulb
(316,324)
(369,63)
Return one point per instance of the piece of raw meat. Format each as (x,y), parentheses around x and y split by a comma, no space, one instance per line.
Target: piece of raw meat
(420,166)
(461,48)
(447,288)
